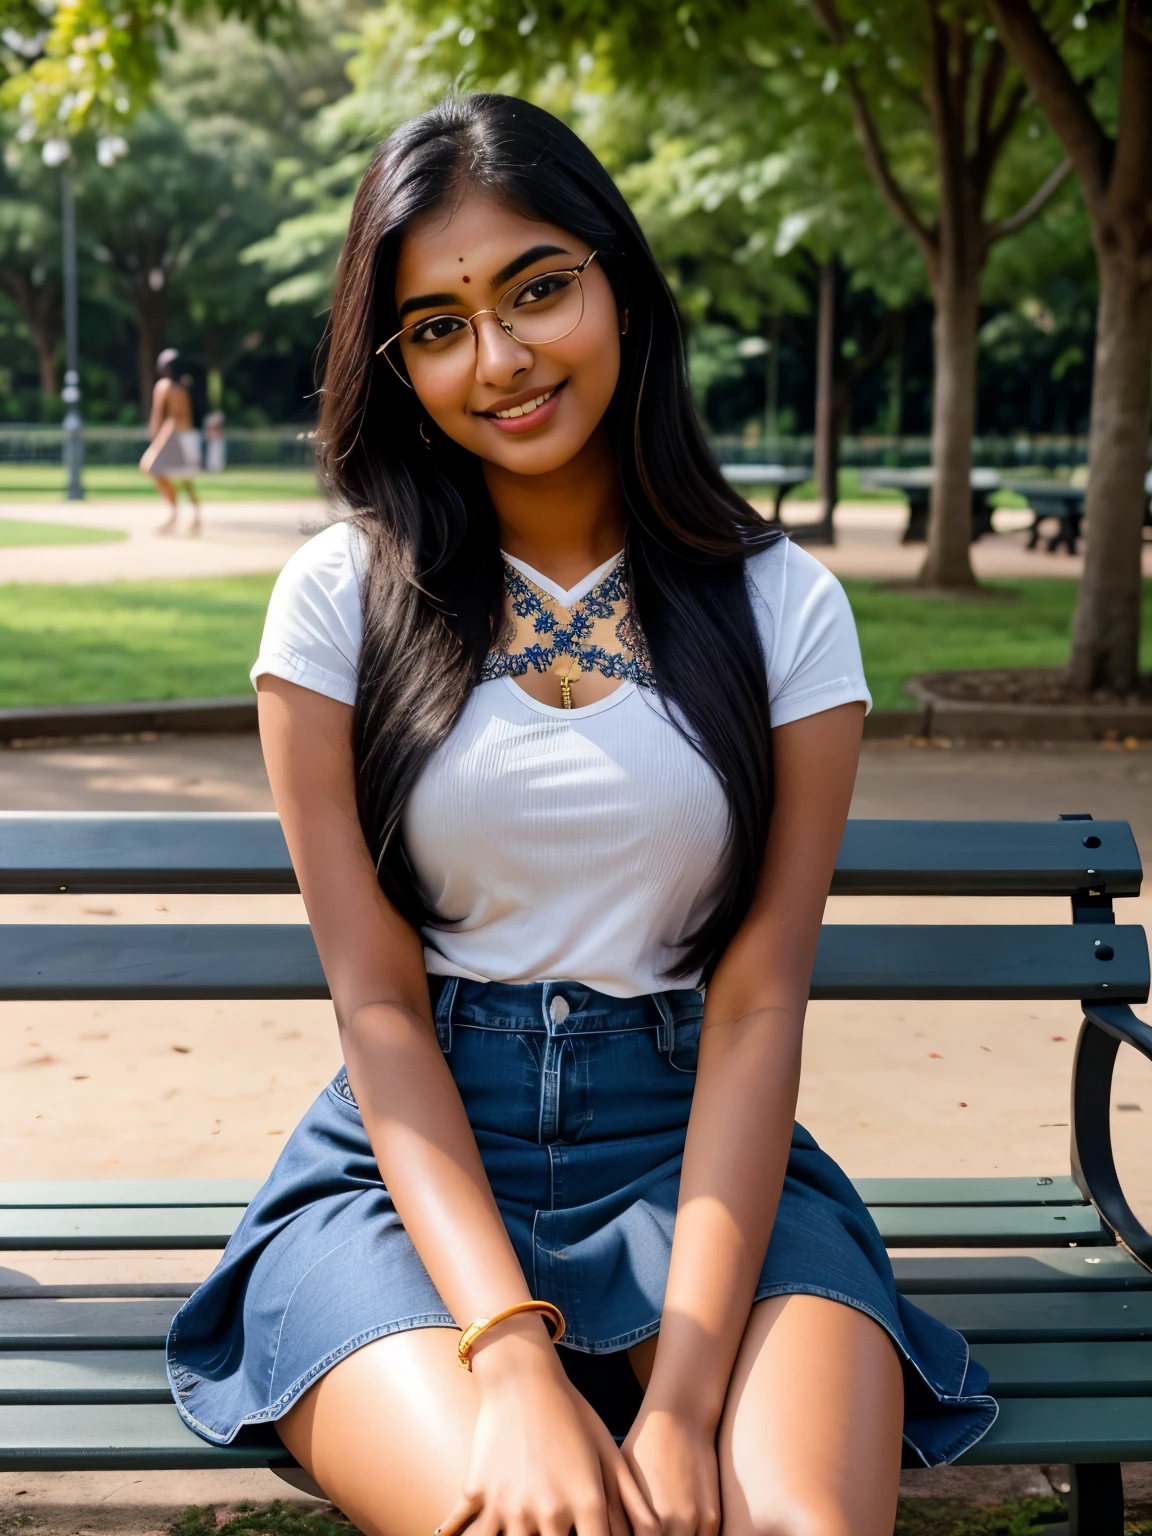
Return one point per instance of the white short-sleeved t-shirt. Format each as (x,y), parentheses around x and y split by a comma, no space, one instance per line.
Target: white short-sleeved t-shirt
(567,844)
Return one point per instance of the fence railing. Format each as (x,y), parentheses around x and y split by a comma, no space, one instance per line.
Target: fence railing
(292,446)
(273,447)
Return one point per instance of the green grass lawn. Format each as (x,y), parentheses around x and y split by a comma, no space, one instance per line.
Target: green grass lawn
(1025,623)
(196,639)
(129,640)
(47,482)
(14,533)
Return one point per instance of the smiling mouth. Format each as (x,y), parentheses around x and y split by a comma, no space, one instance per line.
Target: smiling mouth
(527,408)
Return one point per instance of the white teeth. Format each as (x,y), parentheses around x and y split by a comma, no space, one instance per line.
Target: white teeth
(526,409)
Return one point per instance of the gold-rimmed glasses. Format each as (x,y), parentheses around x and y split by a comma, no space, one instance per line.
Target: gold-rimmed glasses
(540,310)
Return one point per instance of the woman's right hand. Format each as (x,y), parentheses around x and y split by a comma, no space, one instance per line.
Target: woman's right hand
(543,1463)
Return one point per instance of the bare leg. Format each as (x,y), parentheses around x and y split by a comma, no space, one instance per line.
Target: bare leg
(168,491)
(196,525)
(811,1434)
(387,1433)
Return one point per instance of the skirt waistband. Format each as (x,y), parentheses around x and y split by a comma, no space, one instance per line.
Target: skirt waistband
(558,1008)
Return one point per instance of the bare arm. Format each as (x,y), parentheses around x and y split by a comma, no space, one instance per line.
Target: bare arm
(740,1128)
(159,402)
(541,1462)
(374,963)
(749,1069)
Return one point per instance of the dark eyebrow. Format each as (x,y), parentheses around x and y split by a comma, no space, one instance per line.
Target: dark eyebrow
(426,301)
(505,274)
(537,253)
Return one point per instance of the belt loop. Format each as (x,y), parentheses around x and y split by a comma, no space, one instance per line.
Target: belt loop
(666,1027)
(443,1013)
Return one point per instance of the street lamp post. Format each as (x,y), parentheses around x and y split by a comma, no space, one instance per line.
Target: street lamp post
(70,394)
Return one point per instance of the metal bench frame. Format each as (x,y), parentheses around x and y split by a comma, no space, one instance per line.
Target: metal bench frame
(1065,1327)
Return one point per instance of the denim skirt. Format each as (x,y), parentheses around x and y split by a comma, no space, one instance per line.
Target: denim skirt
(580,1105)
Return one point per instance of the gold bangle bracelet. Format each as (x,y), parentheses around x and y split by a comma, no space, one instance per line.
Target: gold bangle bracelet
(482,1324)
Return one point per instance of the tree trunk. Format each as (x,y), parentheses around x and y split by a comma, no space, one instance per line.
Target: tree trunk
(213,367)
(150,320)
(45,338)
(827,428)
(957,295)
(1106,627)
(39,307)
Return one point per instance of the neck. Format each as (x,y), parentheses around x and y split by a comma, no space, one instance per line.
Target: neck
(564,523)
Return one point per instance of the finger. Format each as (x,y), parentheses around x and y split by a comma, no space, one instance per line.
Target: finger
(467,1508)
(641,1516)
(591,1519)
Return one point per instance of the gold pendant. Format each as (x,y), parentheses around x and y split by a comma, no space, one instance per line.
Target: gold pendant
(565,692)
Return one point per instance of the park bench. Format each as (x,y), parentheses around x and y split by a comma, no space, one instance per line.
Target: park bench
(1063,1321)
(1063,503)
(916,486)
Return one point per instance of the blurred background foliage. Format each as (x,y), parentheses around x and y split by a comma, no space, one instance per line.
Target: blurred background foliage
(212,219)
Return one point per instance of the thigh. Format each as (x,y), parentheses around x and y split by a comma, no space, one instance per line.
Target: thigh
(811,1434)
(387,1433)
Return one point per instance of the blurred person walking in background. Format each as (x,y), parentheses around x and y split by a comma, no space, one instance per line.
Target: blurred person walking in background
(174,453)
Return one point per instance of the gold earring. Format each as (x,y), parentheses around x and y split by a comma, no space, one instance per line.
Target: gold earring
(624,327)
(424,438)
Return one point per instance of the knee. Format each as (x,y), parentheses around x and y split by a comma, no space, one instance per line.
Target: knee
(803,1516)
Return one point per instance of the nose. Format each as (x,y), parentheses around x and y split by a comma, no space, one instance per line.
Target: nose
(499,356)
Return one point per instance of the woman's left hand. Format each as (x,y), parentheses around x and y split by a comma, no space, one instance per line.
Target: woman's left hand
(674,1459)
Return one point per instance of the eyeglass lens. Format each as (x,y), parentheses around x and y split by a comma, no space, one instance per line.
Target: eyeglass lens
(543,309)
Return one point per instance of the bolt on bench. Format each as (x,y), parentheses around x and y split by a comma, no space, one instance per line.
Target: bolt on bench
(1065,1328)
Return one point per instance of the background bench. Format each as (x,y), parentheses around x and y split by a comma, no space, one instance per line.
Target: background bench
(1065,1328)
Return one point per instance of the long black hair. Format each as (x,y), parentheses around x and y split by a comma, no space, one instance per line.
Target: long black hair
(433,592)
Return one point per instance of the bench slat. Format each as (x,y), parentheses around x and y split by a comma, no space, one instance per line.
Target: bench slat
(945,1191)
(245,852)
(237,853)
(983,1317)
(985,858)
(135,1324)
(1058,1269)
(132,1228)
(997,1226)
(1071,1369)
(41,962)
(1048,1316)
(137,1375)
(1066,1429)
(125,1437)
(84,1376)
(54,1194)
(75,1194)
(1000,1226)
(143,1436)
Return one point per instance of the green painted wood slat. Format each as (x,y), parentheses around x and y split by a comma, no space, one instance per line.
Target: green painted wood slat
(99,1227)
(1065,1429)
(52,1194)
(84,1376)
(142,1436)
(134,1324)
(1056,1269)
(125,1437)
(244,852)
(59,961)
(1069,1369)
(1048,1316)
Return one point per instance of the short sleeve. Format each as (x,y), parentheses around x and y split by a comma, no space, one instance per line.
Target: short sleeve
(315,621)
(807,632)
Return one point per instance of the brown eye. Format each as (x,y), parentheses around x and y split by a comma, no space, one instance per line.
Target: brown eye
(439,328)
(540,289)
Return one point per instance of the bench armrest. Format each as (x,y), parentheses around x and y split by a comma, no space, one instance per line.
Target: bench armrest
(1106,1027)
